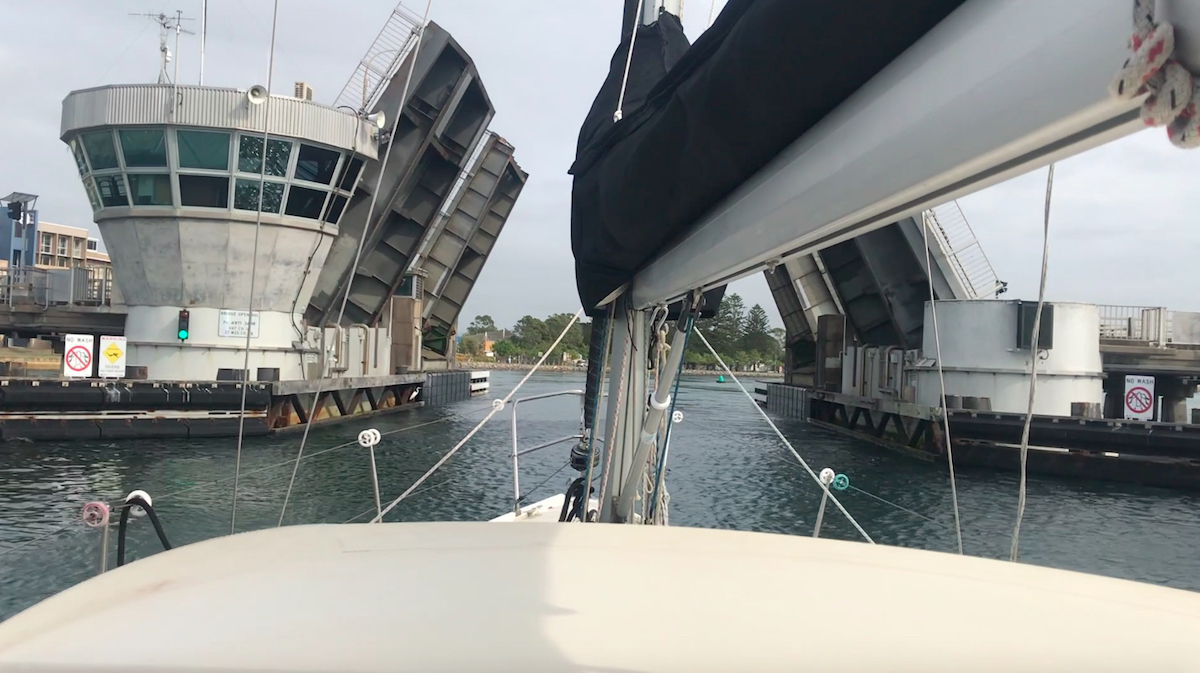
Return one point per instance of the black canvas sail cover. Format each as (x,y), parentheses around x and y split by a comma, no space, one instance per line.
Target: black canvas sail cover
(698,122)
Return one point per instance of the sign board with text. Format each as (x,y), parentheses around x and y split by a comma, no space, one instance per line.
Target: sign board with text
(233,324)
(1139,398)
(111,360)
(77,355)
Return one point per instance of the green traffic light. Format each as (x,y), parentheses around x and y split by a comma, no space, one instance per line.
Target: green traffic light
(183,335)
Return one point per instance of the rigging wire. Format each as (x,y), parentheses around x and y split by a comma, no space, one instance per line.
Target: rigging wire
(262,188)
(224,480)
(785,441)
(1033,360)
(497,405)
(712,13)
(361,241)
(937,342)
(543,483)
(637,20)
(117,60)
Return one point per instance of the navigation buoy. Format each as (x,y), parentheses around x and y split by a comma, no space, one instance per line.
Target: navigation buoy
(721,379)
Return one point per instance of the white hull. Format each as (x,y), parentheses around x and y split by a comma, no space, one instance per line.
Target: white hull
(542,511)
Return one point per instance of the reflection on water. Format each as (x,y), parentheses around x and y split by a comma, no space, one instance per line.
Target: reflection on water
(727,470)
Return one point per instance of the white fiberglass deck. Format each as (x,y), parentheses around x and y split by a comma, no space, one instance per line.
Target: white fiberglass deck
(479,597)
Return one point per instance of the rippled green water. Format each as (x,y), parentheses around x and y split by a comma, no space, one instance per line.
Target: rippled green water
(727,470)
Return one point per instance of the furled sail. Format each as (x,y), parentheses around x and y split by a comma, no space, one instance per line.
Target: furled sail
(762,75)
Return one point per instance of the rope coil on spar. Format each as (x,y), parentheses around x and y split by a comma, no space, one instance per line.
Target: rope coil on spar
(1174,95)
(497,406)
(795,453)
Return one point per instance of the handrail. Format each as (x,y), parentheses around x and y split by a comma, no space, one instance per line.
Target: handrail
(516,452)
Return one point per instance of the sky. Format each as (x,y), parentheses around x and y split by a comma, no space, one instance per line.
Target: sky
(1124,225)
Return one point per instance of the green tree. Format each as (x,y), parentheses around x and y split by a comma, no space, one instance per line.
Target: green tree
(756,333)
(481,324)
(576,339)
(468,346)
(505,349)
(723,331)
(531,334)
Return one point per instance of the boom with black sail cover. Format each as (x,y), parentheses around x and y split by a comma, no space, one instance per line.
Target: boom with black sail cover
(762,75)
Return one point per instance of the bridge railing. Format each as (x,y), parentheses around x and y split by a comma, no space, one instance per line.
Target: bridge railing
(1150,324)
(79,286)
(967,259)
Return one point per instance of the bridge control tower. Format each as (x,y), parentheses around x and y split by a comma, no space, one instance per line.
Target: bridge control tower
(174,175)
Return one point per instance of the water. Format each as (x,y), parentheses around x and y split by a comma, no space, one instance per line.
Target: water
(727,470)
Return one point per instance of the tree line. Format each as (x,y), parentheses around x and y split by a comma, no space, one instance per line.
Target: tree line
(744,338)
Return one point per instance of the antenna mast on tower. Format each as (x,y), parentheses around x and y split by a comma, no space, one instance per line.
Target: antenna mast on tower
(166,24)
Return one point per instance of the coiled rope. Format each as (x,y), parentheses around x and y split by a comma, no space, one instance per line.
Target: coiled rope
(1174,95)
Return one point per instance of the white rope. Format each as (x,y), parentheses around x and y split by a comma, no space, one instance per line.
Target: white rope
(1174,95)
(262,188)
(358,253)
(712,13)
(637,21)
(937,343)
(779,434)
(1033,360)
(650,474)
(497,405)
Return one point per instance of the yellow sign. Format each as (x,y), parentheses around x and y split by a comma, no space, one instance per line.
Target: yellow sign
(113,352)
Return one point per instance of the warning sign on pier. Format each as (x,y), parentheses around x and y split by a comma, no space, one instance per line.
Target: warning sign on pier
(1139,398)
(77,355)
(112,357)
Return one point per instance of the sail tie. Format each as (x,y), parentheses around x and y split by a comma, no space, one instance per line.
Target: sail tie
(1174,97)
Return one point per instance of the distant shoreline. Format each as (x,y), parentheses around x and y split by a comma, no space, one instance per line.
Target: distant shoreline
(517,367)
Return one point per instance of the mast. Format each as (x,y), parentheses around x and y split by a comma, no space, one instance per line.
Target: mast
(628,430)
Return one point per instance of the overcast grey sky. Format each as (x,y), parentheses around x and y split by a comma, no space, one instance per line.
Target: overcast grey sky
(1124,227)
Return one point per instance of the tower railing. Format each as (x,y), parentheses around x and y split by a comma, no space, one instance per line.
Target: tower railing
(967,260)
(381,62)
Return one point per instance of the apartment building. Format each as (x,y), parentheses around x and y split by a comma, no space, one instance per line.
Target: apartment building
(61,246)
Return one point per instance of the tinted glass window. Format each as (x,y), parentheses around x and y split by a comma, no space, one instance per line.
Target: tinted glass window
(90,188)
(150,190)
(245,196)
(203,149)
(250,150)
(316,164)
(335,209)
(304,202)
(100,149)
(144,147)
(204,190)
(348,177)
(77,150)
(112,190)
